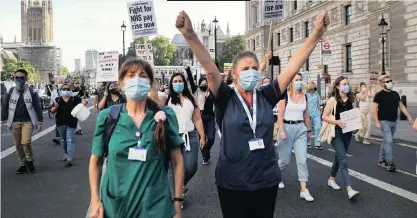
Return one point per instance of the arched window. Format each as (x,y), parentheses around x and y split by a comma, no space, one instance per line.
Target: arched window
(39,34)
(30,34)
(34,33)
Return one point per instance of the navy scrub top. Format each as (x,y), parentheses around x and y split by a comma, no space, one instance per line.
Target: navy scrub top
(238,168)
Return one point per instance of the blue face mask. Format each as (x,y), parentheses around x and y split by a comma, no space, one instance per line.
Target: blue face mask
(248,79)
(298,85)
(66,93)
(20,83)
(345,89)
(137,88)
(178,87)
(389,85)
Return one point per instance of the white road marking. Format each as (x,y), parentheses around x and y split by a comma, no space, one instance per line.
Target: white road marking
(45,112)
(12,149)
(378,139)
(406,173)
(375,182)
(349,155)
(405,145)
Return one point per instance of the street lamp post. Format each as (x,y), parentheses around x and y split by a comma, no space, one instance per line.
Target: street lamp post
(383,28)
(215,21)
(123,27)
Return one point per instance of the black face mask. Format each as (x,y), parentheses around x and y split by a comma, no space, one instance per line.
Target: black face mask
(114,91)
(315,89)
(203,88)
(229,81)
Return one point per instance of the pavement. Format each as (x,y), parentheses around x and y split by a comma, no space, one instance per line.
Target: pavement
(56,191)
(404,132)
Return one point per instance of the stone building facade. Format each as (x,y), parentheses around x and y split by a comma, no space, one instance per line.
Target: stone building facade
(37,21)
(42,58)
(353,34)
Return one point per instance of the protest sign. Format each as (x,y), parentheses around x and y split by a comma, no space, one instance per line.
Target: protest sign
(108,66)
(144,52)
(227,67)
(273,9)
(373,78)
(352,120)
(142,18)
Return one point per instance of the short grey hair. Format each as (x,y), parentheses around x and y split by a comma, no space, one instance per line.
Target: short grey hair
(244,54)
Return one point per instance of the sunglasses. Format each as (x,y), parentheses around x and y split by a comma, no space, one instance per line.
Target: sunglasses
(65,89)
(20,77)
(388,81)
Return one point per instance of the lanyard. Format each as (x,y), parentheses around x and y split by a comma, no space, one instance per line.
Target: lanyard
(252,122)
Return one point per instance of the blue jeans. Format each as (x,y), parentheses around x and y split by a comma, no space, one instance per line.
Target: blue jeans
(68,140)
(341,144)
(190,160)
(297,139)
(210,131)
(316,123)
(388,129)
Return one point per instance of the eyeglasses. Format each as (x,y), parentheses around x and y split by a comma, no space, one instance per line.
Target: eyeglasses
(76,83)
(20,77)
(388,81)
(65,89)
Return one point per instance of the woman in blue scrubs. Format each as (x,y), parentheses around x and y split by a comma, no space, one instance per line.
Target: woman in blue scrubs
(247,173)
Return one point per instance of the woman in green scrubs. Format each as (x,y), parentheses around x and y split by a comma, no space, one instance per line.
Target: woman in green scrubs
(135,183)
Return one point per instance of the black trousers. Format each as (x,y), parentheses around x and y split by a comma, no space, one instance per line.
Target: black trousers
(248,204)
(210,131)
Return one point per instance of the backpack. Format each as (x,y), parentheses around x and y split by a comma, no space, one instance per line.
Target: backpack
(110,124)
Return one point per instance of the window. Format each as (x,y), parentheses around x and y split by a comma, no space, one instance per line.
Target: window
(34,34)
(295,5)
(306,30)
(307,65)
(348,14)
(348,58)
(30,33)
(326,69)
(291,34)
(253,44)
(39,34)
(278,39)
(255,14)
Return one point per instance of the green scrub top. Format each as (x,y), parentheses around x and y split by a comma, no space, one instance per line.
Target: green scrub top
(133,188)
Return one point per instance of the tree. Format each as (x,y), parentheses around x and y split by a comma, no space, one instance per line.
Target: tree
(34,76)
(64,71)
(163,51)
(231,47)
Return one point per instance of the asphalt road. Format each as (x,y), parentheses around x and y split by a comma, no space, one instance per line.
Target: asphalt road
(56,191)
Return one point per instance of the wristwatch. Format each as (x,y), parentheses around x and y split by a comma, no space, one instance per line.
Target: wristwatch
(308,130)
(179,199)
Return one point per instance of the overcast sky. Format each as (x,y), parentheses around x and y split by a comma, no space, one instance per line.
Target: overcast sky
(95,24)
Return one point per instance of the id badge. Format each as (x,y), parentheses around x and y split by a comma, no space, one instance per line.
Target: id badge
(255,144)
(137,153)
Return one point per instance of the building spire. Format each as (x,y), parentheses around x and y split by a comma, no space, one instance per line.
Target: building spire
(228,30)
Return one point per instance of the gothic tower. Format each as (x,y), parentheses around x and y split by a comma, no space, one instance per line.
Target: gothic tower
(37,21)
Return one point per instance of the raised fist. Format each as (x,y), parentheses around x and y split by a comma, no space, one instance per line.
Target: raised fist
(322,21)
(183,23)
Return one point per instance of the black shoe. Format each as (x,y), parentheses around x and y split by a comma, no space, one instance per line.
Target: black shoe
(56,141)
(309,146)
(22,169)
(383,164)
(69,164)
(318,147)
(391,167)
(31,167)
(79,132)
(206,162)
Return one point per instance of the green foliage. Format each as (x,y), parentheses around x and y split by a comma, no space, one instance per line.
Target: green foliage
(231,47)
(163,50)
(10,67)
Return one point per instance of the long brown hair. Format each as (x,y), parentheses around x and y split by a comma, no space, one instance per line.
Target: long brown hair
(134,65)
(335,91)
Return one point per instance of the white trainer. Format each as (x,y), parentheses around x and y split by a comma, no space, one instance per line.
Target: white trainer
(333,184)
(281,185)
(306,195)
(352,194)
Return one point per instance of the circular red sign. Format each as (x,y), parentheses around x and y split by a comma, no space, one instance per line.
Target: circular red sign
(326,45)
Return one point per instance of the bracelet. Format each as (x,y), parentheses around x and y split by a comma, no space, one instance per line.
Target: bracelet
(179,199)
(308,130)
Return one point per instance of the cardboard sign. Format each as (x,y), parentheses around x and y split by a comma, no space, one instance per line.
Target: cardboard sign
(227,67)
(352,119)
(273,9)
(142,18)
(144,52)
(108,66)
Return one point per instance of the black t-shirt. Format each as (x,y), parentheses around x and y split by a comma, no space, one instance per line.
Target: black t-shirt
(342,107)
(208,106)
(110,102)
(388,103)
(63,115)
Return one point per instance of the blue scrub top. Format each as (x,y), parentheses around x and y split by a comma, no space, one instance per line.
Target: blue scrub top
(238,168)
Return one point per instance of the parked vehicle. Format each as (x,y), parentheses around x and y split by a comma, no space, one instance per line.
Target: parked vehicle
(44,99)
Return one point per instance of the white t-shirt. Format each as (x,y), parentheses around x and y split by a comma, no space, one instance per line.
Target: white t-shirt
(184,115)
(293,111)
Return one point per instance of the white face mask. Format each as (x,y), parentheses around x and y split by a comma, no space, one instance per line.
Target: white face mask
(363,89)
